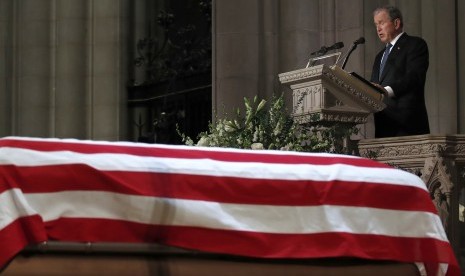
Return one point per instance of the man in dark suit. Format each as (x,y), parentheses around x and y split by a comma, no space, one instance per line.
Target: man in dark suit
(400,70)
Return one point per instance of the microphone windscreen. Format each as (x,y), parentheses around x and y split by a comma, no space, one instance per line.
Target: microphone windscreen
(360,41)
(338,45)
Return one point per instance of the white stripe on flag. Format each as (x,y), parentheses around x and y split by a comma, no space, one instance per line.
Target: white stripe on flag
(13,205)
(209,167)
(241,217)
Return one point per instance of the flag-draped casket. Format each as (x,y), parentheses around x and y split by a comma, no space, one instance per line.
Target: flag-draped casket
(265,204)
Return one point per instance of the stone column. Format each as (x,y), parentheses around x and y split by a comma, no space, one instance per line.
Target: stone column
(64,71)
(438,28)
(6,68)
(107,69)
(27,86)
(68,90)
(461,66)
(236,35)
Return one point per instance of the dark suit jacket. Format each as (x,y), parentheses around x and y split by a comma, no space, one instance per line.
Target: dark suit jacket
(405,73)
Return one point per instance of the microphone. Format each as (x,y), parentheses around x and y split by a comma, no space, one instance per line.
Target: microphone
(319,52)
(354,46)
(335,46)
(324,49)
(360,41)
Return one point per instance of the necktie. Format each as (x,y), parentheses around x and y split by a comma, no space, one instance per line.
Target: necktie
(383,60)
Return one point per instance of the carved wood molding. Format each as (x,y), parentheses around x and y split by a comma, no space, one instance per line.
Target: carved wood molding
(349,88)
(302,74)
(329,116)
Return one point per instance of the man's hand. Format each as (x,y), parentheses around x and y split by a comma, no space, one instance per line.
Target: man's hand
(385,92)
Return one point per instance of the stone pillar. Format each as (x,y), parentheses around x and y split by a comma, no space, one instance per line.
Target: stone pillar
(65,68)
(235,53)
(6,68)
(438,28)
(68,91)
(461,67)
(107,69)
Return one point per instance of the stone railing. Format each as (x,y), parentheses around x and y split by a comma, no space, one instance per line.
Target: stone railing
(440,161)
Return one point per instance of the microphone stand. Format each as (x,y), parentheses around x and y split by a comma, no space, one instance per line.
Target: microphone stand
(354,46)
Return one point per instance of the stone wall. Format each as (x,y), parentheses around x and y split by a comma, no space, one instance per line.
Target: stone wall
(64,68)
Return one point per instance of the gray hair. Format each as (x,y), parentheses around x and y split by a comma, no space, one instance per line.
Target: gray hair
(393,12)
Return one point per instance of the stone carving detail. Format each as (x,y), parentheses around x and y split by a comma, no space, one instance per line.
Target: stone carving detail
(438,179)
(406,150)
(300,105)
(344,118)
(459,149)
(331,117)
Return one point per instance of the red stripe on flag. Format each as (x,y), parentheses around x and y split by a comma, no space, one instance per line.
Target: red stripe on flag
(191,153)
(21,232)
(256,244)
(45,179)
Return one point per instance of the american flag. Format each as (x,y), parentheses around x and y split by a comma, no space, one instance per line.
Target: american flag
(265,204)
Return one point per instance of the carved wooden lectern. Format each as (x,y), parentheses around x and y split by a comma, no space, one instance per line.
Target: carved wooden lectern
(325,93)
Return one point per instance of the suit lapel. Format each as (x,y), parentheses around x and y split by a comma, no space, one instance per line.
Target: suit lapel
(396,49)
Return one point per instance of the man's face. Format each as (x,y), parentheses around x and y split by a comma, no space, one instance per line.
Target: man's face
(386,28)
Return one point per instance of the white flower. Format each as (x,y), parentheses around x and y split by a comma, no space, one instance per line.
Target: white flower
(277,129)
(261,134)
(237,125)
(203,142)
(228,128)
(255,134)
(189,141)
(257,146)
(261,105)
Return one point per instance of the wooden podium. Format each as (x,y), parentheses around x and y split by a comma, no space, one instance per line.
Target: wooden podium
(329,94)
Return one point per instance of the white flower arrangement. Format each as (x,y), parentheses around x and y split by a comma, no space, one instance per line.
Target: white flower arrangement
(272,129)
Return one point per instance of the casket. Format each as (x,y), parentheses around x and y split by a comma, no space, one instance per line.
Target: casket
(212,210)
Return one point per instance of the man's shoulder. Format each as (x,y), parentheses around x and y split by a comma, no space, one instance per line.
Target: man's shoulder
(406,38)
